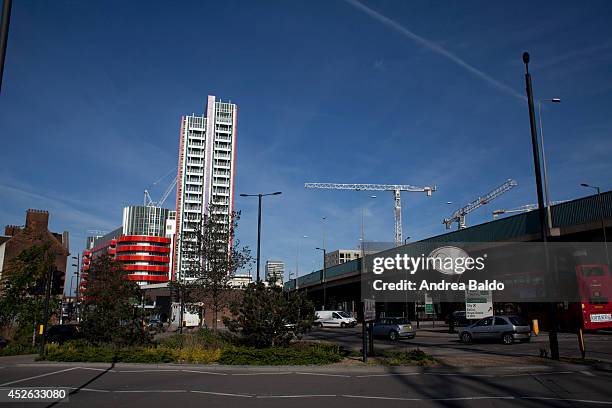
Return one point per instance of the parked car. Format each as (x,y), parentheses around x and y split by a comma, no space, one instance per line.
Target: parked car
(459,319)
(61,333)
(504,328)
(334,318)
(3,342)
(394,328)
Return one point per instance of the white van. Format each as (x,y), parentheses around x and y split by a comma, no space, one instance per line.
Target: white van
(334,318)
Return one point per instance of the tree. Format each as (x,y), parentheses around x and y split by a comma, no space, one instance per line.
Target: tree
(266,316)
(22,290)
(212,255)
(109,312)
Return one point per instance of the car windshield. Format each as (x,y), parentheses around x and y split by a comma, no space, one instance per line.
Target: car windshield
(517,321)
(344,314)
(402,320)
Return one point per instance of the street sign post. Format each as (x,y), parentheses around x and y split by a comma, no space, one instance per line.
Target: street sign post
(478,304)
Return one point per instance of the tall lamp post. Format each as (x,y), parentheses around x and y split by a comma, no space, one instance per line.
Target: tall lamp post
(78,274)
(324,277)
(297,261)
(259,196)
(548,216)
(552,333)
(4,31)
(601,217)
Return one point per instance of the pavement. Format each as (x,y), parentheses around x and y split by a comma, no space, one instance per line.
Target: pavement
(139,385)
(449,351)
(481,374)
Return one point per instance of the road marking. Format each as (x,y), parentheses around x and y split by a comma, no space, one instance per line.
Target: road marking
(386,375)
(323,374)
(96,369)
(39,376)
(380,397)
(156,391)
(203,372)
(297,396)
(87,389)
(224,394)
(279,373)
(590,374)
(570,400)
(158,370)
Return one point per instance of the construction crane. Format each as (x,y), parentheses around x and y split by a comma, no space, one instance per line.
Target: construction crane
(148,201)
(459,215)
(395,188)
(522,208)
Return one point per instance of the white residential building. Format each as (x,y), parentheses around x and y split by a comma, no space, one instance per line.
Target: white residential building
(206,169)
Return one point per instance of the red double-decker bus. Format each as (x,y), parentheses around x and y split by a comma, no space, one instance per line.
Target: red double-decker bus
(595,289)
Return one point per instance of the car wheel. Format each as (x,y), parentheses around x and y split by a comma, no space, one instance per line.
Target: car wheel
(343,325)
(507,338)
(466,337)
(393,336)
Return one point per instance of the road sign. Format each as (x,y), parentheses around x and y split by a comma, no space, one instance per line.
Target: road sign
(369,310)
(428,304)
(478,304)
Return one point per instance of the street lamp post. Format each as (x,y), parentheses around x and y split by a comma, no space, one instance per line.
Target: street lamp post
(552,333)
(324,277)
(297,261)
(259,196)
(548,216)
(601,217)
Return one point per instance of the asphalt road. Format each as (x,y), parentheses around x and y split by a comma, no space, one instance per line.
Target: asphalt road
(95,385)
(437,342)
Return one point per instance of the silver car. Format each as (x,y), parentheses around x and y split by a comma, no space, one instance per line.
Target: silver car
(394,328)
(504,328)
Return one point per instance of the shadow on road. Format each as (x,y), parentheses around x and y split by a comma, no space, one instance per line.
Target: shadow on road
(76,391)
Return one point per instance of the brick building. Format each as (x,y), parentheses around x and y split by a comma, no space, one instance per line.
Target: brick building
(35,232)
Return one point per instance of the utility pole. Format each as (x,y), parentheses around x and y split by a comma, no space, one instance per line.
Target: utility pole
(552,332)
(4,32)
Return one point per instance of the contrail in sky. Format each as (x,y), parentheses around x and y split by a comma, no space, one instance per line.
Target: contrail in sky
(434,47)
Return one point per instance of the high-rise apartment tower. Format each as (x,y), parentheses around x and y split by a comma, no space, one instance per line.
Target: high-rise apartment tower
(206,169)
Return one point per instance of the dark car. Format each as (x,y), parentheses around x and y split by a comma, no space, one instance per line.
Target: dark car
(3,342)
(459,319)
(63,332)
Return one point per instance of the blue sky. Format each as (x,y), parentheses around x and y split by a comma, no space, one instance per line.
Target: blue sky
(420,92)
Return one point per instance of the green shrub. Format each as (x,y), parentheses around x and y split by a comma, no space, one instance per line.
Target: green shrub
(17,348)
(412,357)
(309,354)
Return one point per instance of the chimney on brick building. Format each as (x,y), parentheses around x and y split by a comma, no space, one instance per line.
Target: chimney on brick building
(37,220)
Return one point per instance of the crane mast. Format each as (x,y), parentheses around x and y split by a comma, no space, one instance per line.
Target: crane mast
(395,188)
(459,215)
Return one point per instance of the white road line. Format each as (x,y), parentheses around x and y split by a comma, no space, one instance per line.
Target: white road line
(39,376)
(95,369)
(386,375)
(323,374)
(224,394)
(87,389)
(149,391)
(158,370)
(203,372)
(298,396)
(380,397)
(590,374)
(570,400)
(279,373)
